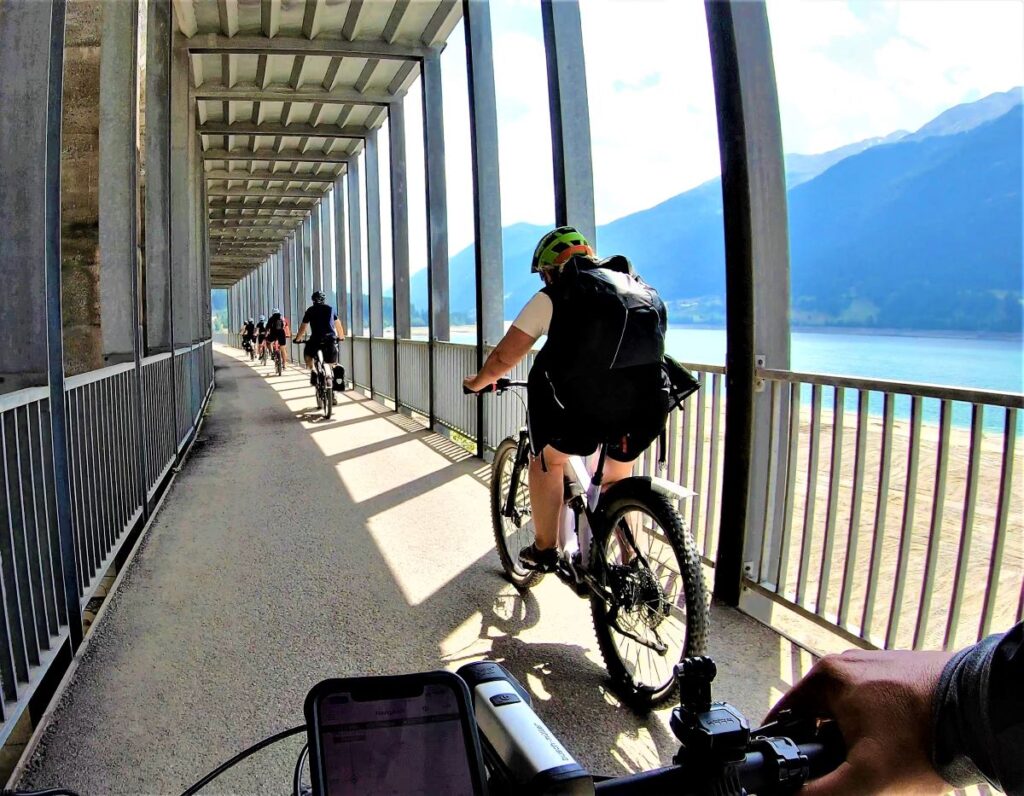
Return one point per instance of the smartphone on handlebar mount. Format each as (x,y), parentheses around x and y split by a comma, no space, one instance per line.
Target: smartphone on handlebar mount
(410,734)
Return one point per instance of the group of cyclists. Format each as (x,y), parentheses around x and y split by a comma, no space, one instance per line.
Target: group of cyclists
(320,325)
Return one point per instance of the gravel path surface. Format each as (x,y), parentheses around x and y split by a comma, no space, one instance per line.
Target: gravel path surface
(290,550)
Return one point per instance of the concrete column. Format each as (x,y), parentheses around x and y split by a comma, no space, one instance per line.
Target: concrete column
(373,254)
(757,276)
(182,281)
(483,123)
(399,219)
(24,61)
(117,167)
(340,258)
(570,116)
(437,200)
(158,170)
(80,176)
(355,238)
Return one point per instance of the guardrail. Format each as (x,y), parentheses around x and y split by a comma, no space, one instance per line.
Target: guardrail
(899,528)
(117,466)
(879,523)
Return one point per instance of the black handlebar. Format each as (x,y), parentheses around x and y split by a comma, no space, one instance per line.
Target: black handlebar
(761,771)
(499,387)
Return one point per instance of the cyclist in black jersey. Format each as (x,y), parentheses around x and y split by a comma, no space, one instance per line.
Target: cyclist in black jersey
(261,334)
(325,330)
(277,332)
(248,332)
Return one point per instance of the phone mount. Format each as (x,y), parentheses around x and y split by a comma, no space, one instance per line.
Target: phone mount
(715,737)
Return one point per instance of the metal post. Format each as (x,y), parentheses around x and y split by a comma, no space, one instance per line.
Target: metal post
(326,265)
(570,116)
(373,243)
(399,231)
(437,216)
(355,247)
(340,259)
(483,126)
(182,118)
(315,248)
(757,271)
(307,258)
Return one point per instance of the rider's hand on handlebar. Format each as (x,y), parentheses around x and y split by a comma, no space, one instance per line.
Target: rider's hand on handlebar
(882,702)
(475,384)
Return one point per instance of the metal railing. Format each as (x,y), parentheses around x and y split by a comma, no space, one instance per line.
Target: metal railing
(899,527)
(116,467)
(879,524)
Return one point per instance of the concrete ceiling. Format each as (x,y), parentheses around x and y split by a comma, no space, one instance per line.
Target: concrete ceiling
(285,92)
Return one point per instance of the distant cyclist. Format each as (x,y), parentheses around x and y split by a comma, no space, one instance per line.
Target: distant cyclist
(278,333)
(261,334)
(599,376)
(325,330)
(248,332)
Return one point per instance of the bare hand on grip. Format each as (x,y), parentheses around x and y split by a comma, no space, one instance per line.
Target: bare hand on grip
(882,702)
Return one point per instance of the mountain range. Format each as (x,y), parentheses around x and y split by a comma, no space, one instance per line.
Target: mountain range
(917,230)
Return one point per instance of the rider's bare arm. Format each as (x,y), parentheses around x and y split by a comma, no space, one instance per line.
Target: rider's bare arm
(298,334)
(515,345)
(339,329)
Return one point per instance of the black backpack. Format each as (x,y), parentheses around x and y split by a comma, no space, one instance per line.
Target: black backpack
(605,318)
(276,323)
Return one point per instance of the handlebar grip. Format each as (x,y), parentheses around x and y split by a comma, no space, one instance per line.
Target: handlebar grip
(498,386)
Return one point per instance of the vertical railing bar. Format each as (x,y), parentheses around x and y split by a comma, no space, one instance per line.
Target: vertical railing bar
(41,495)
(19,537)
(96,506)
(684,446)
(109,486)
(967,528)
(1002,513)
(30,540)
(75,468)
(856,501)
(811,494)
(9,576)
(832,507)
(935,530)
(698,465)
(878,538)
(39,553)
(907,525)
(791,474)
(711,514)
(771,480)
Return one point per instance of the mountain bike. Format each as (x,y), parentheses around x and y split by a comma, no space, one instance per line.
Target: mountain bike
(263,353)
(247,345)
(323,383)
(625,548)
(275,354)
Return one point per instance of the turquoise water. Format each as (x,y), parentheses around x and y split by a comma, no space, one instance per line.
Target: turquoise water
(990,363)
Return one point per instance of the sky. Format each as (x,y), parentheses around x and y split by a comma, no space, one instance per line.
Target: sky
(846,70)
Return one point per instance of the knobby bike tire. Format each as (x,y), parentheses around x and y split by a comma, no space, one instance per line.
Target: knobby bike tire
(328,403)
(638,494)
(277,362)
(504,457)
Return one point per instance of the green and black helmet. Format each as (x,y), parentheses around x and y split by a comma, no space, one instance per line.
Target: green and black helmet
(555,249)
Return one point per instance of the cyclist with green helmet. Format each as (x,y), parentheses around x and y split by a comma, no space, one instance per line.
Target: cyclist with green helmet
(598,378)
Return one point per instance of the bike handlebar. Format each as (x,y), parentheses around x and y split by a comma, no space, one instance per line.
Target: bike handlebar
(498,387)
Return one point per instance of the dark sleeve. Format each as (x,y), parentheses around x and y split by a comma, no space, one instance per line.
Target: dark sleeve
(305,317)
(978,714)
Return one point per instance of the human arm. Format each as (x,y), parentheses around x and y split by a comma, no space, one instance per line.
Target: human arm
(515,345)
(338,328)
(913,721)
(302,331)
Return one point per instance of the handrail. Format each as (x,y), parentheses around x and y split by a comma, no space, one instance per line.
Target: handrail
(81,379)
(965,394)
(27,395)
(156,358)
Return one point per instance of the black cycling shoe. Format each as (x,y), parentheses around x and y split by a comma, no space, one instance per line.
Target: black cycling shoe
(538,560)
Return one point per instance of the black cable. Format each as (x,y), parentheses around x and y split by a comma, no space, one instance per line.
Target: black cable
(297,785)
(44,792)
(241,756)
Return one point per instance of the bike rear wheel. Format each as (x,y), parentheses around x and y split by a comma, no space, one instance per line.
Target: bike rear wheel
(277,362)
(327,398)
(511,534)
(654,612)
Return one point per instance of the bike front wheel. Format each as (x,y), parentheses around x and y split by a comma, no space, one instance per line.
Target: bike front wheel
(328,401)
(654,610)
(511,533)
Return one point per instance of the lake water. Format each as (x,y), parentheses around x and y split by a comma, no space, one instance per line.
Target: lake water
(991,363)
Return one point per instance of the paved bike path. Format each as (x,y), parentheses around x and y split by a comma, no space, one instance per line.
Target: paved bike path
(290,549)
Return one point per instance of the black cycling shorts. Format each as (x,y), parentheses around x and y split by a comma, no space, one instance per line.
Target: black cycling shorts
(277,337)
(326,345)
(262,336)
(628,413)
